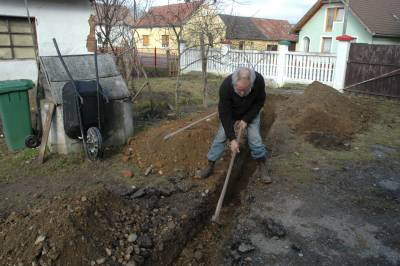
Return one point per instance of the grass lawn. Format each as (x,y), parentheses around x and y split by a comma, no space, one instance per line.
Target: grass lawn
(191,92)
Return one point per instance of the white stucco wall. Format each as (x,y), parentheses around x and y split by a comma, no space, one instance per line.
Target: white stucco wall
(19,69)
(65,20)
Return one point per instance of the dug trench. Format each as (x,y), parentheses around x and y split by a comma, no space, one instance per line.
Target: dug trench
(329,203)
(207,246)
(149,224)
(164,218)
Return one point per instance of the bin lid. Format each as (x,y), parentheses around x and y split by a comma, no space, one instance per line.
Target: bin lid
(15,85)
(82,68)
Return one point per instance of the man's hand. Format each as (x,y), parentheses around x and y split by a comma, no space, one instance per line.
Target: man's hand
(234,146)
(242,125)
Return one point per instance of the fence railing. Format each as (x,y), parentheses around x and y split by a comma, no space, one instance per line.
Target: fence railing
(306,68)
(282,66)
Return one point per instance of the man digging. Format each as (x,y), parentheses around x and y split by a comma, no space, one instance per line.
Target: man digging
(241,97)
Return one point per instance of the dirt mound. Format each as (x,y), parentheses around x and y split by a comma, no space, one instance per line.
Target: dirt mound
(72,232)
(186,151)
(325,116)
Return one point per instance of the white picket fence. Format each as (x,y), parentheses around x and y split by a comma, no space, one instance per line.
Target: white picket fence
(283,67)
(306,68)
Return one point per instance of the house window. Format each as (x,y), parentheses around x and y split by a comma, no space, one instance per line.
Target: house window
(306,43)
(272,47)
(99,38)
(339,15)
(241,45)
(145,40)
(326,45)
(164,40)
(251,45)
(16,40)
(333,15)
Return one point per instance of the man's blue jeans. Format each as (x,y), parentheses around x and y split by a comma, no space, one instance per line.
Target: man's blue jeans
(256,145)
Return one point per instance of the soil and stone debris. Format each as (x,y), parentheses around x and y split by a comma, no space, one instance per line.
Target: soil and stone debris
(334,200)
(325,207)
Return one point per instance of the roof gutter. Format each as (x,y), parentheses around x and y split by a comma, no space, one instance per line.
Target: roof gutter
(385,35)
(157,26)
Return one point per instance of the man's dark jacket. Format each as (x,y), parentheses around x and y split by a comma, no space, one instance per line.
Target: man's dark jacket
(232,107)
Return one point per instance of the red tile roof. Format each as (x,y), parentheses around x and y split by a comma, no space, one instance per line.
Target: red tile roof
(169,15)
(249,28)
(275,29)
(121,15)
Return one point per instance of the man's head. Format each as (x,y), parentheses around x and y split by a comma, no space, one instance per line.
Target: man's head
(242,80)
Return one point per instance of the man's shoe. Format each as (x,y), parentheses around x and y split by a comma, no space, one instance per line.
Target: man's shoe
(206,171)
(262,171)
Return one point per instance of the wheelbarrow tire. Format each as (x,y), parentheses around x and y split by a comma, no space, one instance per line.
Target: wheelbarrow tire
(94,144)
(32,141)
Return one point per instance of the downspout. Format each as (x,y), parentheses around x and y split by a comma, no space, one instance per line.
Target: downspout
(346,15)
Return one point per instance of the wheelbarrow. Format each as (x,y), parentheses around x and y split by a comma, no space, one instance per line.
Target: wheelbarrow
(83,110)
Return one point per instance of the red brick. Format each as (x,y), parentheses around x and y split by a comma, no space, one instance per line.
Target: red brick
(127,173)
(125,158)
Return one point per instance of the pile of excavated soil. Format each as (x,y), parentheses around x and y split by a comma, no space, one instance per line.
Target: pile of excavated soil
(326,117)
(186,151)
(91,229)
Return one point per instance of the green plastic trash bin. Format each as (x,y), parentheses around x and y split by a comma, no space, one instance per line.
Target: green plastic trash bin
(14,112)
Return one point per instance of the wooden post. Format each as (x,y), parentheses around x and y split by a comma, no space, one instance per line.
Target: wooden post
(169,63)
(155,59)
(46,131)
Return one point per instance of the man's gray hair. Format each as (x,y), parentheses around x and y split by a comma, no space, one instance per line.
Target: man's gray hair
(243,73)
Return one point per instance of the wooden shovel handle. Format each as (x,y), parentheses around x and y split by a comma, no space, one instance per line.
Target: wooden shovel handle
(228,175)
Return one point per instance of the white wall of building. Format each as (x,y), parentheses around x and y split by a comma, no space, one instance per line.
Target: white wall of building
(65,20)
(19,69)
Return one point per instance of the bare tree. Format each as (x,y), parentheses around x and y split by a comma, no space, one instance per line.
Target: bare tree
(116,28)
(205,30)
(110,16)
(175,17)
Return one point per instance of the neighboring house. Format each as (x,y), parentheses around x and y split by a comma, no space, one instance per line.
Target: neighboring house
(113,22)
(250,33)
(156,28)
(65,20)
(372,22)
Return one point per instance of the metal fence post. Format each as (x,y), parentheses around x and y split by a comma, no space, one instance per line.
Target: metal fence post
(182,55)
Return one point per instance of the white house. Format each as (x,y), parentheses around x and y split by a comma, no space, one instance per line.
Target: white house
(65,20)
